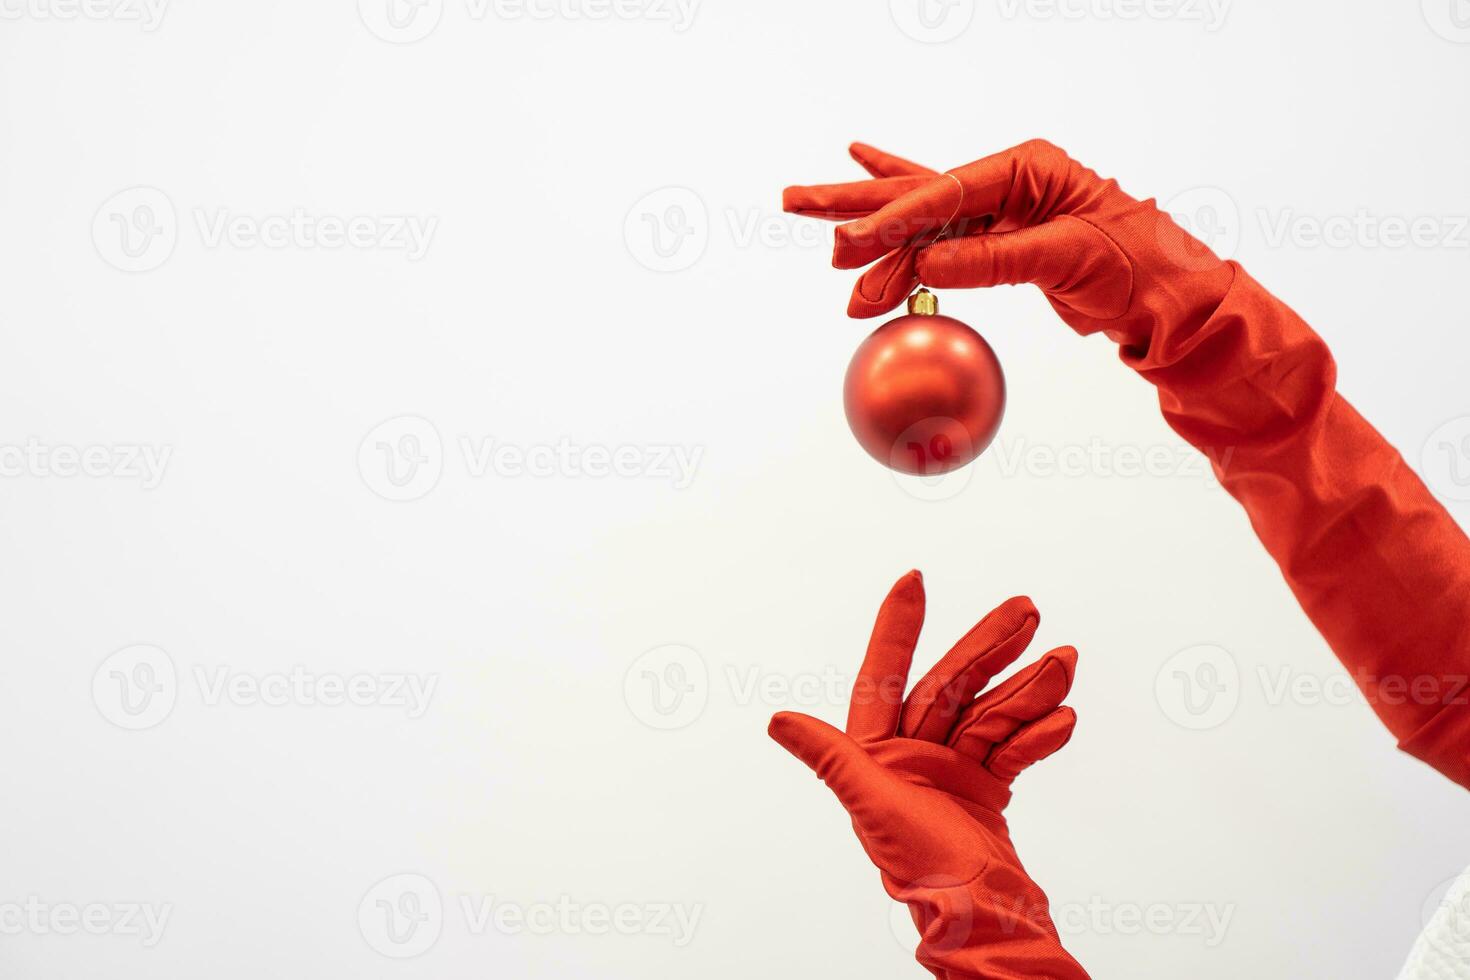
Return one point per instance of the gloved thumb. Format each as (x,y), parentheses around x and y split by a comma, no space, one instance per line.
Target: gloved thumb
(905,836)
(830,753)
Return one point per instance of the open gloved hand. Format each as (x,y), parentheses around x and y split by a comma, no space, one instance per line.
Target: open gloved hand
(926,780)
(1030,214)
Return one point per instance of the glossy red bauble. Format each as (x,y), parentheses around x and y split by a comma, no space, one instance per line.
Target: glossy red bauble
(924,393)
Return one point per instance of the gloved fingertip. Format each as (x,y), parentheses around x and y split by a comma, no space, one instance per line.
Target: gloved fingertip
(862,153)
(1067,657)
(846,250)
(780,726)
(873,296)
(862,309)
(792,199)
(1020,611)
(1066,727)
(909,583)
(1023,604)
(1032,744)
(909,589)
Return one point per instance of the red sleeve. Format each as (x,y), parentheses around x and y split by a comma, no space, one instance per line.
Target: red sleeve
(1377,563)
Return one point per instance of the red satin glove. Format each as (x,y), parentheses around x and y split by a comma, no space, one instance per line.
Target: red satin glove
(1379,566)
(926,779)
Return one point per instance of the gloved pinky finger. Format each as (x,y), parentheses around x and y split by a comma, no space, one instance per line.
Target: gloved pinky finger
(1027,696)
(885,285)
(1032,744)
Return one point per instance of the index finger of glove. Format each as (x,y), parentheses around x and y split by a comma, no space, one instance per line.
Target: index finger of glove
(877,697)
(853,199)
(991,646)
(1013,182)
(882,164)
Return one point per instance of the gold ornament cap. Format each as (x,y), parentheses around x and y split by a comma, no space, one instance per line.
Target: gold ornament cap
(923,303)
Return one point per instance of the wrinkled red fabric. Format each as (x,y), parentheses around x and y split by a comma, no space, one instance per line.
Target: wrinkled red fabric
(1376,562)
(926,780)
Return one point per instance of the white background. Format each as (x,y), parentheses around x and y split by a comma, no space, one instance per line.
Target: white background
(537,317)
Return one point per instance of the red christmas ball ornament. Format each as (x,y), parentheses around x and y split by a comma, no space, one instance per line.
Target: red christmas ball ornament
(924,393)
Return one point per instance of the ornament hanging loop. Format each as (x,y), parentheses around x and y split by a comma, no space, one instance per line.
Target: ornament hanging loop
(923,303)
